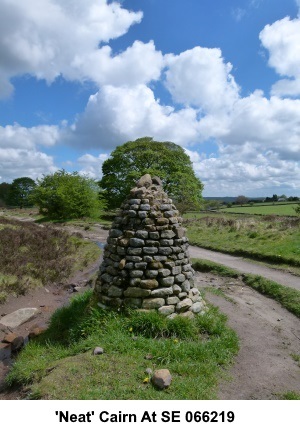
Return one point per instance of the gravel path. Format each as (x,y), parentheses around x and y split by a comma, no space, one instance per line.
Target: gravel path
(269,338)
(243,266)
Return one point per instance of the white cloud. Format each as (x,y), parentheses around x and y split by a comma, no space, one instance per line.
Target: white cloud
(48,38)
(189,79)
(16,136)
(19,154)
(91,165)
(18,162)
(117,114)
(282,39)
(269,124)
(140,63)
(233,175)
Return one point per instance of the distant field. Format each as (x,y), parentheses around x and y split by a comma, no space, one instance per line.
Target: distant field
(263,209)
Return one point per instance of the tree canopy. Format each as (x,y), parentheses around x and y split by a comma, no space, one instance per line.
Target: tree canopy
(167,160)
(20,192)
(64,195)
(4,192)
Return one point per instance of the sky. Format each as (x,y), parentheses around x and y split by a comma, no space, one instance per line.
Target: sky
(219,78)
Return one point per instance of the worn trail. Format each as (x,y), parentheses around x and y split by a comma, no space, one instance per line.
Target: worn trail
(243,266)
(265,367)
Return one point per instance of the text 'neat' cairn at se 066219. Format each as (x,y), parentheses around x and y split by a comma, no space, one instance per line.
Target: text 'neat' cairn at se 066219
(146,261)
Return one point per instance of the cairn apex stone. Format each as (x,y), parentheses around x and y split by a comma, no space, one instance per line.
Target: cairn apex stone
(144,181)
(146,262)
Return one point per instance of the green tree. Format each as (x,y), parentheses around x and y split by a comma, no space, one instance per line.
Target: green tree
(64,195)
(241,200)
(212,205)
(297,209)
(20,192)
(4,192)
(167,160)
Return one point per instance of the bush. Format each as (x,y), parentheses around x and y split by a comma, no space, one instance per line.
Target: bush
(64,195)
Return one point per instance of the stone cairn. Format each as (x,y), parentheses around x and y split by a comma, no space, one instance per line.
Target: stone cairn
(146,260)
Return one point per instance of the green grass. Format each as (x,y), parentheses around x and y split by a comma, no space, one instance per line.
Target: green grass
(291,395)
(264,209)
(60,364)
(267,238)
(296,357)
(33,255)
(287,297)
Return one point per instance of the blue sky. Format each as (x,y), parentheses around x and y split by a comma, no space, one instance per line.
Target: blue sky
(221,79)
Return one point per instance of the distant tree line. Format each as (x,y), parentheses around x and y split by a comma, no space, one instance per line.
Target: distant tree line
(18,192)
(240,200)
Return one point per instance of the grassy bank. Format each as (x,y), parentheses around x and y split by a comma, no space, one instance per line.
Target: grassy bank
(60,364)
(287,297)
(33,255)
(267,238)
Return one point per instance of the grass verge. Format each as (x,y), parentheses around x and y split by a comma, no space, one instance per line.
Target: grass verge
(263,238)
(60,364)
(287,297)
(290,395)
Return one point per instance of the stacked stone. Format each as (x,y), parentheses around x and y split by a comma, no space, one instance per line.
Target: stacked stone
(146,260)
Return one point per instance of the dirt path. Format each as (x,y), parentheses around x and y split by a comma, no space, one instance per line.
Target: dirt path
(269,335)
(243,266)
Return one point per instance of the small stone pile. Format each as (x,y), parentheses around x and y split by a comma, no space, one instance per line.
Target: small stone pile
(146,260)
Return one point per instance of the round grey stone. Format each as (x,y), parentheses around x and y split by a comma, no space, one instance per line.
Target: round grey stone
(167,234)
(176,289)
(150,250)
(136,242)
(162,292)
(180,278)
(167,282)
(197,307)
(115,233)
(164,272)
(154,235)
(166,310)
(142,234)
(145,207)
(172,300)
(136,273)
(149,284)
(136,292)
(98,351)
(134,251)
(166,242)
(115,292)
(184,305)
(186,286)
(154,303)
(151,273)
(164,250)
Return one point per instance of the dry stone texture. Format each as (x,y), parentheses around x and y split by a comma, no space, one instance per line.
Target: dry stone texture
(146,259)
